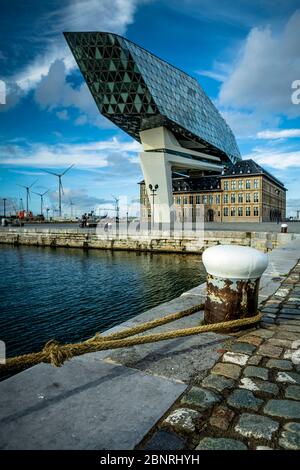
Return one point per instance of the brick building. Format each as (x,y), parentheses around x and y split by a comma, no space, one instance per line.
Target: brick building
(243,192)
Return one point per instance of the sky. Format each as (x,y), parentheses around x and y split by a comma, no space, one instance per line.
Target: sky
(244,53)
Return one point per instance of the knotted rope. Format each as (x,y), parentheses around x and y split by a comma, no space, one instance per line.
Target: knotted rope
(56,354)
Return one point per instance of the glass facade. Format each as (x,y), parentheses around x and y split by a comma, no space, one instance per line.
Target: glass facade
(136,90)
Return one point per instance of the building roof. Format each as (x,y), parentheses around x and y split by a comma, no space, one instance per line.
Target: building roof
(136,90)
(213,182)
(248,167)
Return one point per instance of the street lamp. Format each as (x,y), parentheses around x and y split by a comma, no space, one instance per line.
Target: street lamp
(153,191)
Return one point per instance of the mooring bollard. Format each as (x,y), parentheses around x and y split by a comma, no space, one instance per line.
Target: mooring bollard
(233,275)
(284,228)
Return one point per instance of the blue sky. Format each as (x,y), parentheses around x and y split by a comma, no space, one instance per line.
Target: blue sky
(245,54)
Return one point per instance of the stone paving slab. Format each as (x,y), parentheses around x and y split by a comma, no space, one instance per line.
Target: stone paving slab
(86,404)
(179,358)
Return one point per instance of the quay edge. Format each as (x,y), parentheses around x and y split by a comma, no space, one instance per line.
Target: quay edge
(75,238)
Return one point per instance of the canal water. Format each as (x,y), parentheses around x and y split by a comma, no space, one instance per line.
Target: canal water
(69,294)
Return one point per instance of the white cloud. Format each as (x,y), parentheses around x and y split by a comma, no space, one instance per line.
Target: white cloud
(75,15)
(275,158)
(278,134)
(218,76)
(64,115)
(28,172)
(246,125)
(267,65)
(53,91)
(78,15)
(81,120)
(240,12)
(86,155)
(80,199)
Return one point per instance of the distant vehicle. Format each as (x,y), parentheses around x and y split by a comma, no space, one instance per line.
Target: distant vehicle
(23,215)
(90,220)
(11,221)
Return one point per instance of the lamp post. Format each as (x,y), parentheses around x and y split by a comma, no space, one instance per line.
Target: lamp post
(153,193)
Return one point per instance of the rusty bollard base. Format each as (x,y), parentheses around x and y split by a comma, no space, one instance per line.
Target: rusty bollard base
(230,299)
(233,279)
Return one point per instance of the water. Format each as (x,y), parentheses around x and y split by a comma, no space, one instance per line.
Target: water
(69,294)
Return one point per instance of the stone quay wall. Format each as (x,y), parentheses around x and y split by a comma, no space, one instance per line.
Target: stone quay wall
(75,238)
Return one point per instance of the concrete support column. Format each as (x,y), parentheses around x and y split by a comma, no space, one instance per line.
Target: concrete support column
(233,279)
(157,171)
(162,154)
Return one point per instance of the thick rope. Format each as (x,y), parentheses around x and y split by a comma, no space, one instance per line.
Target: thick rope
(57,354)
(134,330)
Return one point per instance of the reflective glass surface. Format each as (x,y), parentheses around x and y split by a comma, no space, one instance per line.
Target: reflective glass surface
(137,91)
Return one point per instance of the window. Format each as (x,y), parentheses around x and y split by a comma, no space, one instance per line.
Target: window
(198,199)
(255,211)
(218,199)
(232,199)
(256,184)
(247,184)
(178,200)
(240,198)
(210,199)
(241,184)
(255,197)
(248,198)
(225,198)
(204,199)
(226,186)
(233,184)
(191,199)
(185,200)
(232,212)
(225,211)
(248,211)
(240,212)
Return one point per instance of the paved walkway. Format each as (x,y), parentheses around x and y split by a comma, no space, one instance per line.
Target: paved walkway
(293,226)
(251,397)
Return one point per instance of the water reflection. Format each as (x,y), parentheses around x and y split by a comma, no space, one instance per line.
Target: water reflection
(68,294)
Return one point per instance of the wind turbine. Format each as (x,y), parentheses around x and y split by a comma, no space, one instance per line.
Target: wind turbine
(42,198)
(60,186)
(27,193)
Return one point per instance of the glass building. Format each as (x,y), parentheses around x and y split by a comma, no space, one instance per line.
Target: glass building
(138,91)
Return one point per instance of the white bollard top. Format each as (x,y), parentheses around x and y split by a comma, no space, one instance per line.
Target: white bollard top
(234,262)
(284,225)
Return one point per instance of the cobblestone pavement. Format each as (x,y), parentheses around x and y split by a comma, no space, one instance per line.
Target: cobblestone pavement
(250,399)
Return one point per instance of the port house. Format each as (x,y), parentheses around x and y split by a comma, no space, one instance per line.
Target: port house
(243,192)
(190,155)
